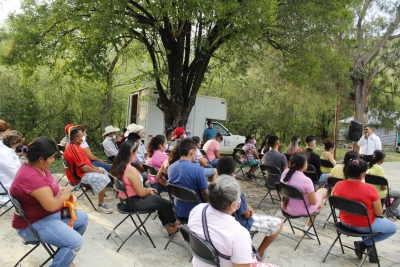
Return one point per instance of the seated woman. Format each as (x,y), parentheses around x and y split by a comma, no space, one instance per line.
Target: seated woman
(156,158)
(294,176)
(351,188)
(327,155)
(338,170)
(294,145)
(226,234)
(162,175)
(86,149)
(376,169)
(211,147)
(209,171)
(42,199)
(264,145)
(252,155)
(9,161)
(141,198)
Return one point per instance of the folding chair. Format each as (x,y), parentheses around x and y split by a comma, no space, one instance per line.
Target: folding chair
(204,154)
(182,194)
(239,162)
(241,153)
(84,187)
(200,247)
(331,182)
(7,202)
(326,163)
(312,174)
(378,180)
(20,212)
(126,207)
(355,208)
(61,149)
(273,176)
(292,192)
(288,156)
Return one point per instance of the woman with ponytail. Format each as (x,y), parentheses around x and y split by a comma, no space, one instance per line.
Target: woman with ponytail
(375,169)
(353,188)
(294,176)
(156,147)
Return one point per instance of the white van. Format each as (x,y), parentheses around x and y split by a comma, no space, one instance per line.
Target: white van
(142,110)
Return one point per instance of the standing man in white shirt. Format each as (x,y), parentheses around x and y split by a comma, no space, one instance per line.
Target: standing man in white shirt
(368,143)
(109,146)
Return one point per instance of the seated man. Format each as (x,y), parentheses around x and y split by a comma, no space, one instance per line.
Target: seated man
(109,146)
(273,157)
(80,166)
(134,137)
(65,140)
(142,151)
(314,159)
(268,225)
(179,134)
(189,175)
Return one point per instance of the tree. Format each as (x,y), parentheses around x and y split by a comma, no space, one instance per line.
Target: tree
(377,26)
(180,37)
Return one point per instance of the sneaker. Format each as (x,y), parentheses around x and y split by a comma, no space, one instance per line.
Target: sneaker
(373,258)
(104,208)
(310,233)
(359,248)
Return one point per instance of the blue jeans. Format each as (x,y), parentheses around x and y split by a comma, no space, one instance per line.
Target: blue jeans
(208,172)
(103,165)
(214,162)
(382,227)
(160,188)
(55,231)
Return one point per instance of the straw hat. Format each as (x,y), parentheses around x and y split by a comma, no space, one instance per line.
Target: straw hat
(110,129)
(133,128)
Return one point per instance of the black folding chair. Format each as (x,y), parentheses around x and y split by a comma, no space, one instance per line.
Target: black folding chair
(311,173)
(126,207)
(8,202)
(288,156)
(84,187)
(355,208)
(331,182)
(326,163)
(20,212)
(200,248)
(378,180)
(183,194)
(272,177)
(204,154)
(292,192)
(239,162)
(240,154)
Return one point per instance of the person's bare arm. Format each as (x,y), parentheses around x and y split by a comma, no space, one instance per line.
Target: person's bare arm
(159,176)
(216,153)
(204,139)
(47,200)
(86,168)
(241,265)
(90,155)
(139,165)
(377,207)
(331,159)
(312,197)
(255,153)
(203,162)
(134,178)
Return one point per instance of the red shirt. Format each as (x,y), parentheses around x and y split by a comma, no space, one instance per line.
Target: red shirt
(28,179)
(361,192)
(76,158)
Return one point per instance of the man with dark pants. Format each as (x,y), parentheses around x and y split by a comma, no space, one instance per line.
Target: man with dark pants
(187,174)
(368,143)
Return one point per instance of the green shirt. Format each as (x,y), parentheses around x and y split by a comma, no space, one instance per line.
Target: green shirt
(378,171)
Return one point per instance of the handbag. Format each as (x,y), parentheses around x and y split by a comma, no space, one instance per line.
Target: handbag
(68,209)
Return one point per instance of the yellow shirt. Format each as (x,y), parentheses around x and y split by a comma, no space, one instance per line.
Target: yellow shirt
(378,171)
(326,169)
(337,172)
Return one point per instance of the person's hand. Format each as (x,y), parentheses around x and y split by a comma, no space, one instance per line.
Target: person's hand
(152,191)
(251,211)
(100,160)
(67,188)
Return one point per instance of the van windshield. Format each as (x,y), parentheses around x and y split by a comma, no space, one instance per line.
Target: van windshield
(220,129)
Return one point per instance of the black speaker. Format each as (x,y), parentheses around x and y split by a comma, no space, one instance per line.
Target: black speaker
(355,131)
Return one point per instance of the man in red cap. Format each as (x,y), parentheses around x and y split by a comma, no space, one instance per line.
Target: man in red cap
(65,140)
(179,134)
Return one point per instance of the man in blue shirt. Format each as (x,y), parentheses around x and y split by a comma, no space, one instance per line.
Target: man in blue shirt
(187,174)
(268,225)
(210,132)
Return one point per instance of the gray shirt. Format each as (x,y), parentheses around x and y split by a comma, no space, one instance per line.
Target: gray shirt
(275,159)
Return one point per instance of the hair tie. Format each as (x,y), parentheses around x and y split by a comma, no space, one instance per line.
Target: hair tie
(24,149)
(356,161)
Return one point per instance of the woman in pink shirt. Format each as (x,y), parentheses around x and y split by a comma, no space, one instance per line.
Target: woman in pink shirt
(294,176)
(141,198)
(211,147)
(156,148)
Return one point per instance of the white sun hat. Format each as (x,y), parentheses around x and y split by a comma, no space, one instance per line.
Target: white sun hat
(133,128)
(110,129)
